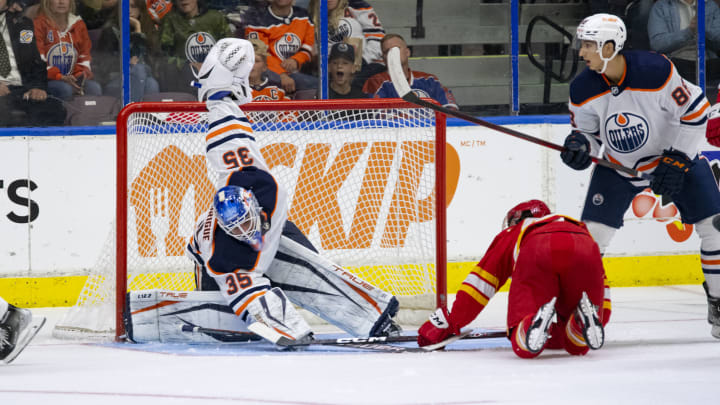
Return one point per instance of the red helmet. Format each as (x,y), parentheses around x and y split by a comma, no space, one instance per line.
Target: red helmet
(530,208)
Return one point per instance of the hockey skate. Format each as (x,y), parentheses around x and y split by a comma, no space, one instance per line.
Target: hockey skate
(592,328)
(17,329)
(713,312)
(537,333)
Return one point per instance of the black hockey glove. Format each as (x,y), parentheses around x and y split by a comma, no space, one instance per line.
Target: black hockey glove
(670,173)
(577,151)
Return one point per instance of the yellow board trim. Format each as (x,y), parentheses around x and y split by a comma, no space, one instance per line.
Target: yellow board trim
(638,271)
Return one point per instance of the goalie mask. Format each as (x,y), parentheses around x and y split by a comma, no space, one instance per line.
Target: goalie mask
(527,209)
(601,29)
(239,215)
(225,71)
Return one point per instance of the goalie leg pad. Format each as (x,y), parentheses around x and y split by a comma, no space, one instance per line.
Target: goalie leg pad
(274,310)
(159,316)
(331,292)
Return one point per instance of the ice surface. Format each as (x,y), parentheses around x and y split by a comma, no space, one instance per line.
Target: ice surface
(658,350)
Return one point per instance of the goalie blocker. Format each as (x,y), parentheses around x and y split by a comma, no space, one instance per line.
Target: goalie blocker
(307,279)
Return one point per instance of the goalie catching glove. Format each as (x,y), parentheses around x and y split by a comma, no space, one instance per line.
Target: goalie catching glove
(670,173)
(225,71)
(437,329)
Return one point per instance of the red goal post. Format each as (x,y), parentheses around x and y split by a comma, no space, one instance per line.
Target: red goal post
(339,159)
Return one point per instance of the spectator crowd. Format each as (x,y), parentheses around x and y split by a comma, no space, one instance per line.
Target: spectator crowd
(54,54)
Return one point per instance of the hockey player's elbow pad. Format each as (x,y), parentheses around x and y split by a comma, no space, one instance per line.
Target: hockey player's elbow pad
(576,153)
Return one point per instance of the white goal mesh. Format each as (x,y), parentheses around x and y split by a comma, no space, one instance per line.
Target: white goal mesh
(361,178)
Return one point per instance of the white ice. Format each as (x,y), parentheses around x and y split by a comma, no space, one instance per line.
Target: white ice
(658,350)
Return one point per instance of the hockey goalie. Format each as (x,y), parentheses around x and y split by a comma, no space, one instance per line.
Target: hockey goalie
(251,263)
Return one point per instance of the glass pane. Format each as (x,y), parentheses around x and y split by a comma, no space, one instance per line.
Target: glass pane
(464,44)
(547,61)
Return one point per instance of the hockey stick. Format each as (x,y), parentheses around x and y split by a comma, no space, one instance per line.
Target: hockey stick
(365,343)
(222,334)
(403,89)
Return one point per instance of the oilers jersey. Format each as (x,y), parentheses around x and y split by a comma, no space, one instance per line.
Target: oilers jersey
(372,29)
(651,109)
(287,37)
(424,85)
(235,267)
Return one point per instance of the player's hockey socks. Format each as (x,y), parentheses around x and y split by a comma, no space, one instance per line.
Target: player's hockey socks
(607,305)
(712,132)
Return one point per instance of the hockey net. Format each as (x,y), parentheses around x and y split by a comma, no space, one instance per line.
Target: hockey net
(362,178)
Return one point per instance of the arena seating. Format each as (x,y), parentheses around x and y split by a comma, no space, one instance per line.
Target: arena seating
(480,79)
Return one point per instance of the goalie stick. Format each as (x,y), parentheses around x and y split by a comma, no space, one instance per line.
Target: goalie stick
(382,343)
(403,89)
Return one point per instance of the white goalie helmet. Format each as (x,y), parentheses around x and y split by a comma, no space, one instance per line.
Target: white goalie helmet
(225,71)
(602,28)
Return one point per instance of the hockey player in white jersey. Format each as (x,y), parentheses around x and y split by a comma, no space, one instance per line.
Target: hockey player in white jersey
(646,116)
(244,245)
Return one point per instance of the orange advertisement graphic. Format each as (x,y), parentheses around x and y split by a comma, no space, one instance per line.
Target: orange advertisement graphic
(174,171)
(647,202)
(161,185)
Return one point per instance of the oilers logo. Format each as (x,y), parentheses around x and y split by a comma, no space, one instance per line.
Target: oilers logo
(62,56)
(26,36)
(626,132)
(421,93)
(344,30)
(287,46)
(198,46)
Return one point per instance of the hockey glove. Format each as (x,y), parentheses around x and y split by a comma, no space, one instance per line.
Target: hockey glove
(713,126)
(436,329)
(670,173)
(577,151)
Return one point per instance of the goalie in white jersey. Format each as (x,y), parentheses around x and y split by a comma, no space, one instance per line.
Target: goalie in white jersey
(647,117)
(244,245)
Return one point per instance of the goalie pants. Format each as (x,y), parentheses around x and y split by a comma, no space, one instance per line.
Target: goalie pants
(555,264)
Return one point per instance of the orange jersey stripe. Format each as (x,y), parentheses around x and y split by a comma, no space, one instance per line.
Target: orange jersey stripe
(591,98)
(650,165)
(228,128)
(711,262)
(696,113)
(248,301)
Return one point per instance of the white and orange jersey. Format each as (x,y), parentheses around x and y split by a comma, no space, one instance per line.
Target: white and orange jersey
(235,266)
(230,141)
(372,29)
(651,109)
(237,269)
